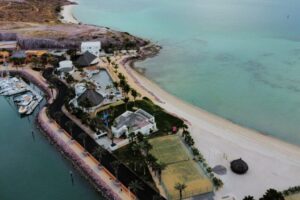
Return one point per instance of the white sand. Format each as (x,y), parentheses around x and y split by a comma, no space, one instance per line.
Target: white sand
(272,163)
(67,14)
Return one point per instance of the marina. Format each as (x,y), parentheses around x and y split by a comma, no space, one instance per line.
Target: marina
(24,96)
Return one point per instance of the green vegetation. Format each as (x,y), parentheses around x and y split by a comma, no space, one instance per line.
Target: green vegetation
(132,156)
(180,187)
(168,149)
(189,141)
(180,168)
(292,191)
(271,194)
(248,198)
(164,120)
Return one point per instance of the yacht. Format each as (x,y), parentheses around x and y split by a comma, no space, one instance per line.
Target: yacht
(28,108)
(23,100)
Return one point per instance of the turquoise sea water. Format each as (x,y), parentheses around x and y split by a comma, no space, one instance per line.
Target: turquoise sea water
(239,59)
(30,167)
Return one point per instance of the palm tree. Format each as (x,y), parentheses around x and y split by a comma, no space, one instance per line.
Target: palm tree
(58,116)
(180,187)
(135,186)
(135,148)
(160,167)
(134,94)
(184,127)
(140,137)
(131,137)
(185,133)
(70,125)
(83,136)
(249,198)
(126,100)
(272,194)
(146,146)
(126,89)
(116,84)
(35,61)
(99,152)
(51,87)
(115,165)
(151,160)
(112,137)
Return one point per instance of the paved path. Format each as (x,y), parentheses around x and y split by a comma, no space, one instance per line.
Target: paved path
(120,190)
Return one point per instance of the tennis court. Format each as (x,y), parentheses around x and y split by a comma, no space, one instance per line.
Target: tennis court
(293,197)
(181,168)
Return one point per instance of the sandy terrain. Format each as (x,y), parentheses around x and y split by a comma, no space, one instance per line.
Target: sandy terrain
(273,163)
(67,14)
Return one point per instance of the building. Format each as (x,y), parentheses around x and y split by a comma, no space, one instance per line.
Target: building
(65,66)
(4,56)
(138,121)
(89,98)
(8,45)
(92,47)
(87,59)
(18,57)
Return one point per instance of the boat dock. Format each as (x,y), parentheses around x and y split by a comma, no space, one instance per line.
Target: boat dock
(24,96)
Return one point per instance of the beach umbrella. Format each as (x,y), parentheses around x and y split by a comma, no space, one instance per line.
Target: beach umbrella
(219,169)
(239,166)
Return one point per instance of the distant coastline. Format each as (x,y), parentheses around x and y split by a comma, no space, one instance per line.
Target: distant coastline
(67,13)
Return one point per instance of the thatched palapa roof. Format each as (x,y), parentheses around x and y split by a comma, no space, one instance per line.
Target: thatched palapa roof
(93,98)
(86,59)
(239,166)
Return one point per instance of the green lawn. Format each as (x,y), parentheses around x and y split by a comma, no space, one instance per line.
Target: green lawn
(181,168)
(168,149)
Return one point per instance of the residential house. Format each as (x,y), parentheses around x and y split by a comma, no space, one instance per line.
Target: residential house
(65,66)
(138,121)
(87,59)
(94,47)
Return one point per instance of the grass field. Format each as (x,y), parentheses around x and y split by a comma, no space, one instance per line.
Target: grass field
(293,197)
(180,168)
(168,149)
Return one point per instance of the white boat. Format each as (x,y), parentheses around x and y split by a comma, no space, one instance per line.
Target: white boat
(26,99)
(23,109)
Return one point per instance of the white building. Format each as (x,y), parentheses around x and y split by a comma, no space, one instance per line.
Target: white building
(80,88)
(65,66)
(138,121)
(92,47)
(9,45)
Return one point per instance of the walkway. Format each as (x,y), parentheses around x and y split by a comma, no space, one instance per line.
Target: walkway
(103,174)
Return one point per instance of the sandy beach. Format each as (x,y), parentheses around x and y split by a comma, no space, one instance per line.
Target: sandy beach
(67,13)
(273,163)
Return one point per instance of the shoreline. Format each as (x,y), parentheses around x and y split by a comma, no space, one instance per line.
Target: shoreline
(211,131)
(67,13)
(273,163)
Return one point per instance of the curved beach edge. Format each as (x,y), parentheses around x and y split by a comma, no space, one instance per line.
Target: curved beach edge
(273,163)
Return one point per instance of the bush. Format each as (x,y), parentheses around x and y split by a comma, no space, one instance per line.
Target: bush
(272,194)
(291,190)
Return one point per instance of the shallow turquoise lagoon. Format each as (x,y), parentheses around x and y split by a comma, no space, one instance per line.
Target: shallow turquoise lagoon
(239,59)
